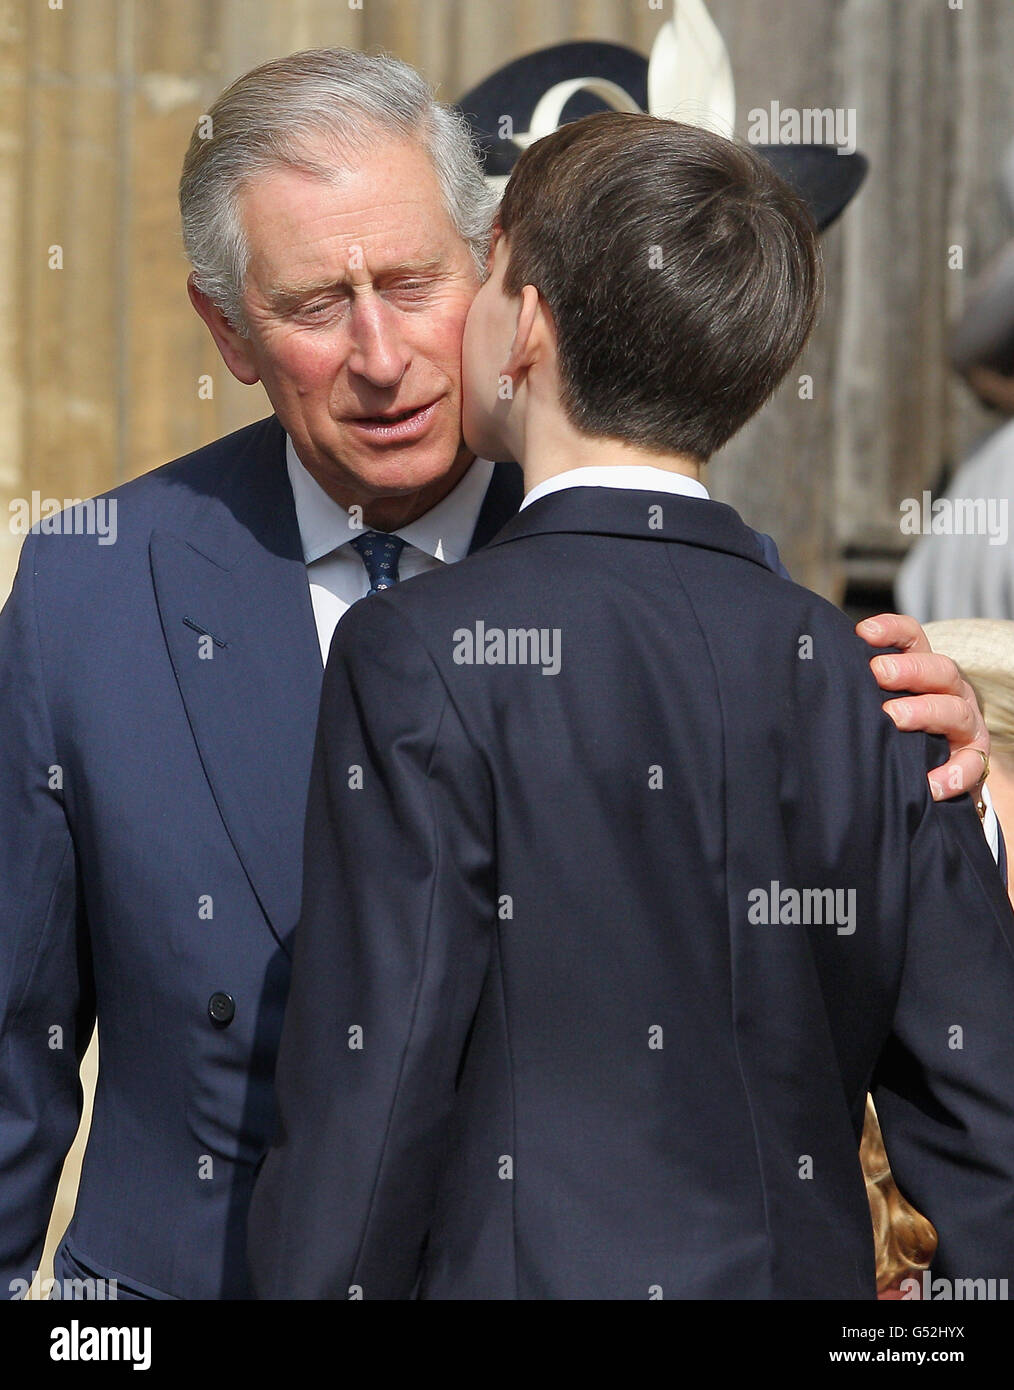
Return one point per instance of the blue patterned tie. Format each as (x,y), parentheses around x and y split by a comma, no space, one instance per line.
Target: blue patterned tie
(379,552)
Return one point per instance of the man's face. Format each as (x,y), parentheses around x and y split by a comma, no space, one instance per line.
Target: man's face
(356,295)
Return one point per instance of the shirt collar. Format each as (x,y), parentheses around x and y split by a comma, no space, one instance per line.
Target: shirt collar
(445,531)
(642,477)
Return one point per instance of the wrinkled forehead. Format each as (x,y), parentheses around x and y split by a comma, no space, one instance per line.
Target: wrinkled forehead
(381,206)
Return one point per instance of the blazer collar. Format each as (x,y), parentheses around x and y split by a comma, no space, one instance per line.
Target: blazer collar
(246,502)
(640,515)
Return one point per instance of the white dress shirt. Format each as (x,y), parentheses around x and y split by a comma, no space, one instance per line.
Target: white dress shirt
(336,573)
(638,476)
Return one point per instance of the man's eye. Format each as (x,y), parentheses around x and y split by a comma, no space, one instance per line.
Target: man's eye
(409,287)
(320,311)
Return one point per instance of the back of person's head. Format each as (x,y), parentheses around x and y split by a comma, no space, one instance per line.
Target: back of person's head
(682,273)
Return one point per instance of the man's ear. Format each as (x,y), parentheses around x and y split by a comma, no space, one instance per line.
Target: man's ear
(235,349)
(524,348)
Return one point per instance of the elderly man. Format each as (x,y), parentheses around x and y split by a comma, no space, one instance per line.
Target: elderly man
(159,696)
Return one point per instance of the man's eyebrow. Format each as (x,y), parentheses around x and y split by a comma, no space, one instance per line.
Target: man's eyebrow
(285,296)
(415,267)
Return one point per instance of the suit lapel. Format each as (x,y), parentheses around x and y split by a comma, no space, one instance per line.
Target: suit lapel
(502,500)
(238,622)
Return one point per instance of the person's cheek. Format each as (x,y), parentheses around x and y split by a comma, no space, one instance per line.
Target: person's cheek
(472,384)
(454,319)
(305,368)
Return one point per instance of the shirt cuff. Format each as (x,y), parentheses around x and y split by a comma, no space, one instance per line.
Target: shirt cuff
(990,825)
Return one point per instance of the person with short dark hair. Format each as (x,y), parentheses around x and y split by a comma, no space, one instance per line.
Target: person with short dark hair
(648,929)
(655,300)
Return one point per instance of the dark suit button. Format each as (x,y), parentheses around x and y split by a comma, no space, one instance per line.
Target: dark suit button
(221,1009)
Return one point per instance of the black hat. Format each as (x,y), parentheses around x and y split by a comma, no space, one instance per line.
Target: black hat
(603,76)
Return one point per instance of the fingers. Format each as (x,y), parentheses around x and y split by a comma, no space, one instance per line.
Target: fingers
(928,672)
(961,773)
(949,715)
(958,718)
(893,630)
(941,700)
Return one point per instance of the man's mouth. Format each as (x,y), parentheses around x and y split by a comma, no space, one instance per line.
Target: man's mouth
(396,426)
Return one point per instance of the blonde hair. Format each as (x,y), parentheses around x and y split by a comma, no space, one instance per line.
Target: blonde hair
(904,1239)
(983,651)
(995,693)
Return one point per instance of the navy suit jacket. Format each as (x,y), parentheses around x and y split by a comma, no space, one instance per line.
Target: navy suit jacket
(558,1027)
(151,817)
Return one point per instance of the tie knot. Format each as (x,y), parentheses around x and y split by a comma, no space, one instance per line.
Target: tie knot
(380,553)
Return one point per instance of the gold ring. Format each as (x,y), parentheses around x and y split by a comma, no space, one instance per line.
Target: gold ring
(985,764)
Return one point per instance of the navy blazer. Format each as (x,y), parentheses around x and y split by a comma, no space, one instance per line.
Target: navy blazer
(603,943)
(151,818)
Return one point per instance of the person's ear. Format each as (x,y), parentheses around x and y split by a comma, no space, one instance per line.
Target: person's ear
(235,349)
(525,344)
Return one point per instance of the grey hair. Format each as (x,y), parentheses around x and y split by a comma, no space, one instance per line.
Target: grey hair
(275,114)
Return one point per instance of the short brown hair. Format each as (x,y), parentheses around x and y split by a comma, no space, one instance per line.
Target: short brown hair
(682,273)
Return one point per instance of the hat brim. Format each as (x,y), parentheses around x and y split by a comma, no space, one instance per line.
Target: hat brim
(824,177)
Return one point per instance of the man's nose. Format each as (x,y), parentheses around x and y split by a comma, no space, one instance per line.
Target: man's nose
(379,352)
